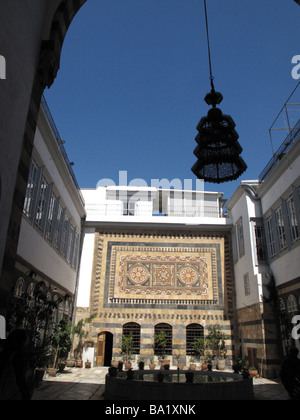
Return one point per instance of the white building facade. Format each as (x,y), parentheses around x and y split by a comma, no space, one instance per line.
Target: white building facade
(48,253)
(266,243)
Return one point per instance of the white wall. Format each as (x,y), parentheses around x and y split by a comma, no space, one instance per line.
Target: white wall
(286,266)
(34,249)
(245,208)
(276,186)
(86,268)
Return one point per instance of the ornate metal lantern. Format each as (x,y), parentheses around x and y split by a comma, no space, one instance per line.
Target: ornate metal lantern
(218,150)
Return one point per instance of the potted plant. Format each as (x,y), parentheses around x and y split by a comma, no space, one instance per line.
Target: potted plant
(115,362)
(160,344)
(79,331)
(61,342)
(88,364)
(200,346)
(177,357)
(239,365)
(253,372)
(152,364)
(193,364)
(34,313)
(127,348)
(216,339)
(71,362)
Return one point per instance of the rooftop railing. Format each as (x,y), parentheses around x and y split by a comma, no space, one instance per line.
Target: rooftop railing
(117,209)
(291,139)
(60,143)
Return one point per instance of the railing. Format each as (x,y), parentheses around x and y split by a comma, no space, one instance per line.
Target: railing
(195,211)
(105,209)
(117,209)
(60,144)
(283,149)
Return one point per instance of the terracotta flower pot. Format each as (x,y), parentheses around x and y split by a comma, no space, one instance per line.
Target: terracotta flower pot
(115,363)
(79,363)
(128,365)
(71,362)
(253,373)
(52,372)
(204,366)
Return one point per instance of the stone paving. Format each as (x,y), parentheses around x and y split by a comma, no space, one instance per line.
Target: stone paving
(89,384)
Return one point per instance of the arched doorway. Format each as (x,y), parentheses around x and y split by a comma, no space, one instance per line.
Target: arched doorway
(104,349)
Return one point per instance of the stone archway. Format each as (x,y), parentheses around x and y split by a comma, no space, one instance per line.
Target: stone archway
(55,24)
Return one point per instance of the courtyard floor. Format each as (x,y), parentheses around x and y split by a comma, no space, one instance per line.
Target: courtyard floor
(89,384)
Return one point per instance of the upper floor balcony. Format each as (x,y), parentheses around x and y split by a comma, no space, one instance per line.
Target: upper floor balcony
(155,206)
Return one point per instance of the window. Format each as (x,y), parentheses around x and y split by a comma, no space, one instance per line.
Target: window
(281,305)
(280,228)
(270,237)
(59,221)
(60,310)
(259,242)
(55,311)
(247,284)
(30,295)
(46,213)
(134,330)
(65,236)
(31,188)
(293,224)
(50,218)
(70,247)
(19,288)
(164,346)
(292,304)
(42,203)
(240,237)
(193,331)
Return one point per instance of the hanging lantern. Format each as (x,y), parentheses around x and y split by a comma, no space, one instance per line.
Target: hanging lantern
(218,150)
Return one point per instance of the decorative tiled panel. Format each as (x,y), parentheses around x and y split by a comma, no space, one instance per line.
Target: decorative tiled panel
(156,270)
(152,274)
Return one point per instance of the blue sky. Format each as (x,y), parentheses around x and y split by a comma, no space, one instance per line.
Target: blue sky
(134,73)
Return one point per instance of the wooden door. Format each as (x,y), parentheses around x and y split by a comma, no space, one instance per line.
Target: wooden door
(101,349)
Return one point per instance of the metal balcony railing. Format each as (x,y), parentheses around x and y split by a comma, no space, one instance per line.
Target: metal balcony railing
(118,209)
(291,139)
(59,141)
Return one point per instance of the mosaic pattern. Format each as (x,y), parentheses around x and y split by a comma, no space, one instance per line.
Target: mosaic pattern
(188,275)
(172,272)
(163,275)
(138,274)
(169,274)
